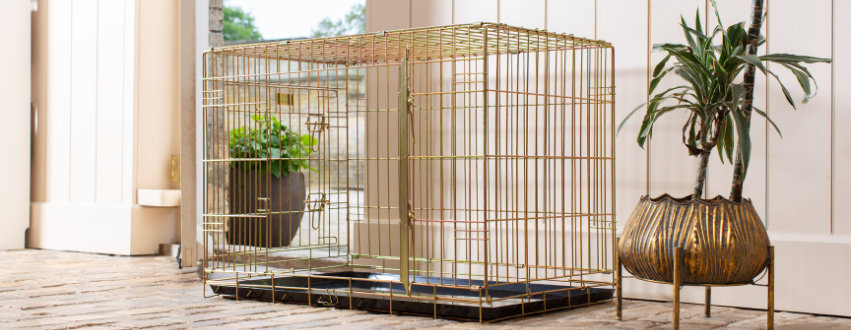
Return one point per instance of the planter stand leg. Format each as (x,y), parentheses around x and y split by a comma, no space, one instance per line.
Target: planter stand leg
(770,288)
(619,289)
(708,300)
(677,283)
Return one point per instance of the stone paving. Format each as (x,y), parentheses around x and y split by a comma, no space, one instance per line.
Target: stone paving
(66,290)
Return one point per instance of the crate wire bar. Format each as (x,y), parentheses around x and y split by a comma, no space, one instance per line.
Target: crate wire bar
(462,171)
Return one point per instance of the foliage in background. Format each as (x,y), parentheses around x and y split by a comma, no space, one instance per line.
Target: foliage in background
(268,138)
(239,25)
(710,96)
(353,23)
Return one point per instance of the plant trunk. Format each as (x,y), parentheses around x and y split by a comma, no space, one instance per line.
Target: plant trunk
(701,175)
(747,99)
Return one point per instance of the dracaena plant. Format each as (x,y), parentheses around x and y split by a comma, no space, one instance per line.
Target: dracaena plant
(280,149)
(711,96)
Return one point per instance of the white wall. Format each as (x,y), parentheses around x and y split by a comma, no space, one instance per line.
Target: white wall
(106,93)
(16,110)
(798,183)
(202,31)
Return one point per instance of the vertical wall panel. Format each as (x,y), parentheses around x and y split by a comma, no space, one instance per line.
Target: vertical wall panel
(110,90)
(388,15)
(128,100)
(201,44)
(721,175)
(530,14)
(15,91)
(842,138)
(427,77)
(58,114)
(382,94)
(39,99)
(672,170)
(572,17)
(157,90)
(84,25)
(631,51)
(431,13)
(469,11)
(799,163)
(175,100)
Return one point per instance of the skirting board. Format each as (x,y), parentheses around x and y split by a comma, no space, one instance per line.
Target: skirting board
(122,229)
(811,276)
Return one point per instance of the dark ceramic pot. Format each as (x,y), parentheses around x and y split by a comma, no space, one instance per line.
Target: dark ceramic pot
(723,242)
(285,194)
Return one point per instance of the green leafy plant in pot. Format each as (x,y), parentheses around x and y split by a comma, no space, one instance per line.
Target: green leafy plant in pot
(723,240)
(273,183)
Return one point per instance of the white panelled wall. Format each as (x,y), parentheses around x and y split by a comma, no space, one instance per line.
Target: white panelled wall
(800,184)
(105,86)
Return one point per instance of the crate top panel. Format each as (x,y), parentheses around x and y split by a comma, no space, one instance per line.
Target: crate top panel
(426,44)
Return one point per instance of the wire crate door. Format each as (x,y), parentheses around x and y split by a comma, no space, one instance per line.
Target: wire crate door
(317,118)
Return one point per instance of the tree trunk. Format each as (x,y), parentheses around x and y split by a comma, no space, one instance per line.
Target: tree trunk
(701,175)
(754,27)
(707,143)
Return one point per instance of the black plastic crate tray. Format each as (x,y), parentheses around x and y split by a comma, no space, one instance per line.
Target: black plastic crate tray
(335,293)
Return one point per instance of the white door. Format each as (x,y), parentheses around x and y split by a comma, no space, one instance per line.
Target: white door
(15,123)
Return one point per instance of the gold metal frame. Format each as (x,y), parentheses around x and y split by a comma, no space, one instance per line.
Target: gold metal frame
(503,169)
(677,285)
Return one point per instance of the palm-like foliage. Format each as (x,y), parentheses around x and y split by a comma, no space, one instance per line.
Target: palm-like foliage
(711,95)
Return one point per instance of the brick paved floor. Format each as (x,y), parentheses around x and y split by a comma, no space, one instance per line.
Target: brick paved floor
(64,290)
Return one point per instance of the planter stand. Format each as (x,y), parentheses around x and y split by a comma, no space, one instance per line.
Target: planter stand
(678,286)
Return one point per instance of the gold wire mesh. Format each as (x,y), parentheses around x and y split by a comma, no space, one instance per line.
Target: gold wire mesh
(500,139)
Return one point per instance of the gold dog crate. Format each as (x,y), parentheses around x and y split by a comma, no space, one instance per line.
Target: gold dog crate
(462,171)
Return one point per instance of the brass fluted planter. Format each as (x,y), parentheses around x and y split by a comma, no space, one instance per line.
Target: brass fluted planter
(723,243)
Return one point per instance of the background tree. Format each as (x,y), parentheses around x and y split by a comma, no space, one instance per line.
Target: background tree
(353,23)
(239,25)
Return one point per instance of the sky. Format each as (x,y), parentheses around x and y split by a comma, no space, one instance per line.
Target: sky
(280,19)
